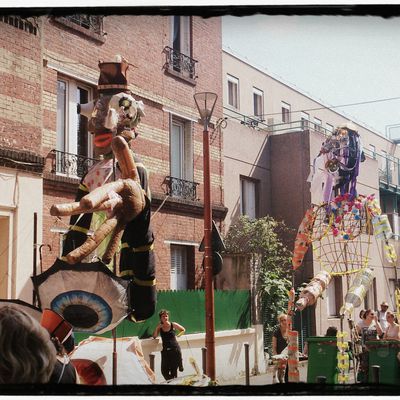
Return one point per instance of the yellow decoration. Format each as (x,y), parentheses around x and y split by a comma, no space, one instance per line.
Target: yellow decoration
(390,253)
(343,360)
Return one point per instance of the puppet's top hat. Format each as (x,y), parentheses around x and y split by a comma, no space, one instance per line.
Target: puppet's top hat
(113,75)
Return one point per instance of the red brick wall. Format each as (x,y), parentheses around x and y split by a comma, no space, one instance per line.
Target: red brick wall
(172,226)
(132,37)
(140,39)
(54,194)
(20,89)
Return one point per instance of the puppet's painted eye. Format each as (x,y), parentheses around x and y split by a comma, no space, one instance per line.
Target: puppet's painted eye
(85,311)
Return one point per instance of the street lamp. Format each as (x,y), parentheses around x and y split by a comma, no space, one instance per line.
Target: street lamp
(389,136)
(205,103)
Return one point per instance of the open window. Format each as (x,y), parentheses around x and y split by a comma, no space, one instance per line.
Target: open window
(249,189)
(181,155)
(233,91)
(258,103)
(74,148)
(286,111)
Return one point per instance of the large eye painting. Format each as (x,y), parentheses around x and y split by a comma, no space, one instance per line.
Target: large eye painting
(86,312)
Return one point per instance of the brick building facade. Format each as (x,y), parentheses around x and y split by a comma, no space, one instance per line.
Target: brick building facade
(49,64)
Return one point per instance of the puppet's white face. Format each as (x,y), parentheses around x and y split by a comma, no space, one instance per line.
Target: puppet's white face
(124,112)
(112,115)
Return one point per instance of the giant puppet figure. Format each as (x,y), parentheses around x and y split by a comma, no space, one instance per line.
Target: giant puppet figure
(121,190)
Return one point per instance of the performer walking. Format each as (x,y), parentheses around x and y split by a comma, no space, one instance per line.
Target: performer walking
(171,356)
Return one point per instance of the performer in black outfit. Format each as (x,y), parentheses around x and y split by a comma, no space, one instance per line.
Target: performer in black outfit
(171,356)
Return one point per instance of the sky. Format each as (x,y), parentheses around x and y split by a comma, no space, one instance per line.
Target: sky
(337,59)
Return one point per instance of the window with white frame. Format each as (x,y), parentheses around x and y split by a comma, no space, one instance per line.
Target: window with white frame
(181,149)
(334,296)
(233,91)
(317,124)
(181,156)
(305,119)
(249,197)
(181,34)
(72,128)
(179,60)
(179,270)
(258,103)
(372,149)
(329,128)
(285,107)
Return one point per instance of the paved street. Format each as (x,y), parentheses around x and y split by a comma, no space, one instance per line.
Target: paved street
(265,379)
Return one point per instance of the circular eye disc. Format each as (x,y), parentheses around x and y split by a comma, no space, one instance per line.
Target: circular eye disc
(86,312)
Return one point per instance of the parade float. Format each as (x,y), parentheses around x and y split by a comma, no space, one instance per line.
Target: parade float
(89,287)
(338,228)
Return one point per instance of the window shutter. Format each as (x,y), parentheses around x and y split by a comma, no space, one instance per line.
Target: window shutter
(178,267)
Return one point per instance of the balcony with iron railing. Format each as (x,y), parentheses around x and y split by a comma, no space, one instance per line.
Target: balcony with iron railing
(89,25)
(389,171)
(180,65)
(27,24)
(271,126)
(70,165)
(181,188)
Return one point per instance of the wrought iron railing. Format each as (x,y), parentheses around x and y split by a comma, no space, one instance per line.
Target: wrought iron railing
(28,24)
(71,165)
(181,188)
(251,122)
(388,167)
(179,62)
(386,176)
(93,23)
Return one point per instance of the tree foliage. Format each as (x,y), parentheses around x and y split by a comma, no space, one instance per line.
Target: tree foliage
(263,237)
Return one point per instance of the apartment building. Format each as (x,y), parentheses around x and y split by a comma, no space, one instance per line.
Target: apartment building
(49,64)
(274,131)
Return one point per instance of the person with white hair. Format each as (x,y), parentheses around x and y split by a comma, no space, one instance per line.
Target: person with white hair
(382,315)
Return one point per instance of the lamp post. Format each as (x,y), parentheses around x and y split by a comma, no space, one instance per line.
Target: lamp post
(388,134)
(205,103)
